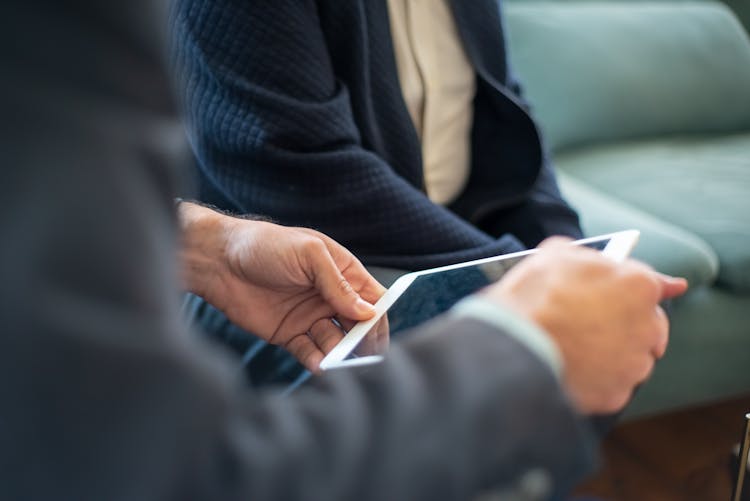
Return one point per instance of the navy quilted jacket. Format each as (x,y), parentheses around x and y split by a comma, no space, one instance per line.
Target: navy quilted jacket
(295,112)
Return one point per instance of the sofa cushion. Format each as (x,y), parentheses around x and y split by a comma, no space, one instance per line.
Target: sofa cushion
(613,70)
(664,246)
(701,184)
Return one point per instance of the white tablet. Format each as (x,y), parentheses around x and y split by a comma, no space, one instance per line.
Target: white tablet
(417,297)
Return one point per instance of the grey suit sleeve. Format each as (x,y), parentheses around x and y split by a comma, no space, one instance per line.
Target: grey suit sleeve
(117,408)
(103,393)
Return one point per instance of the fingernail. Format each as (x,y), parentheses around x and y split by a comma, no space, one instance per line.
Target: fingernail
(364,305)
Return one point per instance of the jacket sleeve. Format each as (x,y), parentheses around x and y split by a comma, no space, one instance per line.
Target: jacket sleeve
(106,396)
(270,122)
(542,214)
(117,405)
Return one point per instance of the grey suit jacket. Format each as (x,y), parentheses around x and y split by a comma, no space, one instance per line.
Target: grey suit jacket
(103,393)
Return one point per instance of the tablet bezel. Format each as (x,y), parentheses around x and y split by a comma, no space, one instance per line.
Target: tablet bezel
(620,246)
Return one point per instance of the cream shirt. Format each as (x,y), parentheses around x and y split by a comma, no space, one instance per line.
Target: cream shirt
(438,84)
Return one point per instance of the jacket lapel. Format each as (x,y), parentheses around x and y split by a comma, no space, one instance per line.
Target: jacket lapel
(480,28)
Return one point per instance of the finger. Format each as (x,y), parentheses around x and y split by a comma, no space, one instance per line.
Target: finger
(641,280)
(335,289)
(647,367)
(326,335)
(662,339)
(671,286)
(347,323)
(363,283)
(303,311)
(306,351)
(616,401)
(372,290)
(555,242)
(382,334)
(369,289)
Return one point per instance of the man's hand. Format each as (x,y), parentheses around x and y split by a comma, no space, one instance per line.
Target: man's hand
(282,284)
(604,317)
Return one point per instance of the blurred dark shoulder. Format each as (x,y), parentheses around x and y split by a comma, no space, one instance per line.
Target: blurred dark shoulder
(90,71)
(91,144)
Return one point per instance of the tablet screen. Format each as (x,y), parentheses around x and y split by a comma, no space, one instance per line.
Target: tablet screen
(435,293)
(429,294)
(432,294)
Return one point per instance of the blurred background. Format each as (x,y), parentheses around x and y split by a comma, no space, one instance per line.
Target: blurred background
(646,109)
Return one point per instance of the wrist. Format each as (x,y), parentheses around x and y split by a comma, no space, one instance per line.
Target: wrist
(514,324)
(204,237)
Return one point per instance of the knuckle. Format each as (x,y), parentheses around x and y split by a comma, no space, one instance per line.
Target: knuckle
(344,286)
(555,241)
(662,319)
(647,366)
(661,347)
(313,245)
(642,284)
(617,400)
(662,333)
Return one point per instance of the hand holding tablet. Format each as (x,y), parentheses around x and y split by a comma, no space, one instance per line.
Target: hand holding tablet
(604,320)
(417,297)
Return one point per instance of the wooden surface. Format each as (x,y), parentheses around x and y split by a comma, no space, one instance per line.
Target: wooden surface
(673,457)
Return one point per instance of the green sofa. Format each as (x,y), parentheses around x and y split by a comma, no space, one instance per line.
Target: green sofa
(742,9)
(646,108)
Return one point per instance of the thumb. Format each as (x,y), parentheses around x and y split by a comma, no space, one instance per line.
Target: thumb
(336,290)
(671,286)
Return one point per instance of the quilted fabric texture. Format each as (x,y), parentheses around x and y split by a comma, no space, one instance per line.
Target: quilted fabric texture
(295,112)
